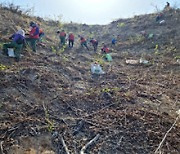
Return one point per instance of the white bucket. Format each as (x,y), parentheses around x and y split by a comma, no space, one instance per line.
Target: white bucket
(143,61)
(96,69)
(11,52)
(162,22)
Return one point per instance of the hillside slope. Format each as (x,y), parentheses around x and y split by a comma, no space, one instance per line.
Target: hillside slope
(51,96)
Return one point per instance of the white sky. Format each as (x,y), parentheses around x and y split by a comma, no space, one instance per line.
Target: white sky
(91,11)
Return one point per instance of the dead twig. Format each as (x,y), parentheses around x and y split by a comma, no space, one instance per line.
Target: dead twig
(107,106)
(161,143)
(125,119)
(10,131)
(64,145)
(89,144)
(120,140)
(1,147)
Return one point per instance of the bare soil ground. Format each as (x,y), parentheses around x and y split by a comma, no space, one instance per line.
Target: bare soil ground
(51,103)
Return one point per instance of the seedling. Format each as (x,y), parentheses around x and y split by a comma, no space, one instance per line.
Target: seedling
(3,67)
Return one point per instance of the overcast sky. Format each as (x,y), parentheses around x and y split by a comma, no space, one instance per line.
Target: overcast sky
(91,11)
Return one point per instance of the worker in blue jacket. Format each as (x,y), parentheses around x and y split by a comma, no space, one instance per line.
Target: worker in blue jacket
(16,43)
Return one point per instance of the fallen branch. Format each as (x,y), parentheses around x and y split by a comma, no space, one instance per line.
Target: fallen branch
(64,145)
(89,144)
(161,143)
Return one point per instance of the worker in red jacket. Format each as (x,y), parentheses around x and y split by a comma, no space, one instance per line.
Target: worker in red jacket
(83,42)
(33,36)
(71,40)
(94,43)
(105,49)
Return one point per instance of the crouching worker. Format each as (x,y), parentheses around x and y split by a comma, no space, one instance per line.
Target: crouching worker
(33,36)
(83,42)
(94,44)
(159,17)
(113,42)
(16,43)
(105,49)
